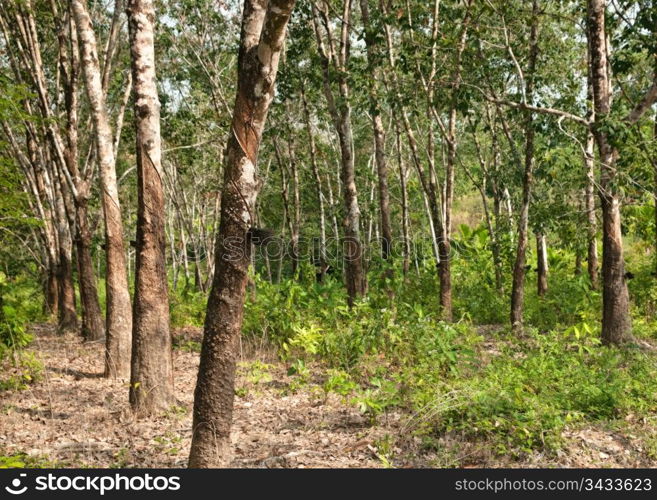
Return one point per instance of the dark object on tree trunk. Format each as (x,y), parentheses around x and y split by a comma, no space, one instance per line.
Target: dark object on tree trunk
(629,275)
(259,236)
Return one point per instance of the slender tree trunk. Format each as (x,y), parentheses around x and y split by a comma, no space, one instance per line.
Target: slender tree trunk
(151,378)
(379,132)
(592,229)
(52,296)
(428,180)
(174,255)
(41,188)
(445,242)
(541,264)
(67,320)
(518,290)
(578,262)
(263,33)
(318,181)
(119,311)
(295,219)
(92,320)
(183,251)
(69,64)
(340,110)
(589,191)
(404,202)
(332,206)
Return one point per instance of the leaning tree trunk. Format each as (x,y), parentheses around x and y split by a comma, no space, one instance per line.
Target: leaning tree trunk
(119,311)
(151,378)
(263,33)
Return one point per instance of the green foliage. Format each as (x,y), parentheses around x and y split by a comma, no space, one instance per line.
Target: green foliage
(17,309)
(19,370)
(23,461)
(18,367)
(187,307)
(526,395)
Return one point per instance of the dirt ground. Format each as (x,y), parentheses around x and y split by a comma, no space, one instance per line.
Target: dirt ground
(72,417)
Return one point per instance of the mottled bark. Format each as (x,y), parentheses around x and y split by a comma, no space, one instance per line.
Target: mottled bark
(78,185)
(616,322)
(151,378)
(263,33)
(119,309)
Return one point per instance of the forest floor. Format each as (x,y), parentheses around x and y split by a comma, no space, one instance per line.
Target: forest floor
(72,417)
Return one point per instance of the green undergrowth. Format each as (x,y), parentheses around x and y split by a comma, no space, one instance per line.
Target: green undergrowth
(472,377)
(24,461)
(18,366)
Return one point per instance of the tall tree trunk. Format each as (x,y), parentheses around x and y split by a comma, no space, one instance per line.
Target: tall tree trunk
(151,378)
(119,311)
(263,33)
(541,264)
(379,132)
(518,290)
(42,187)
(67,319)
(51,289)
(340,110)
(427,180)
(616,321)
(452,140)
(92,319)
(318,181)
(69,63)
(295,218)
(404,202)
